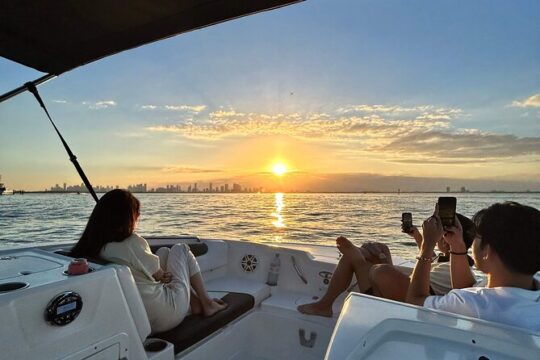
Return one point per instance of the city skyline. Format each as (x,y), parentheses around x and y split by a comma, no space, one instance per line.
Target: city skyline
(169,188)
(336,91)
(336,183)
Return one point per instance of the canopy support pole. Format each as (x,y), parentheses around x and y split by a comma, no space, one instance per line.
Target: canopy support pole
(30,86)
(23,88)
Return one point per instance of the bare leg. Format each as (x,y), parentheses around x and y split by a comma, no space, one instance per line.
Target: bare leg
(358,261)
(209,306)
(195,303)
(338,283)
(388,282)
(352,262)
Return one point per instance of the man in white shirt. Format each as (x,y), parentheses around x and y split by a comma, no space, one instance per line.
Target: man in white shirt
(506,248)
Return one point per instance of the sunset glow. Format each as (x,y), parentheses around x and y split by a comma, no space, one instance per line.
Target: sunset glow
(279,169)
(278,222)
(371,101)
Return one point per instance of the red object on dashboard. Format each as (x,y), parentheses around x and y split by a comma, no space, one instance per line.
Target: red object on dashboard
(78,266)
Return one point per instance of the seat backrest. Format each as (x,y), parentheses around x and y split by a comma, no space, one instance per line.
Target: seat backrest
(134,301)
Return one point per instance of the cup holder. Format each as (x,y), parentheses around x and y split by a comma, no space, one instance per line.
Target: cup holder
(155,345)
(65,272)
(12,286)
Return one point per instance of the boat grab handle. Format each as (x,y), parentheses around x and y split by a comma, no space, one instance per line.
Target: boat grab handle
(299,271)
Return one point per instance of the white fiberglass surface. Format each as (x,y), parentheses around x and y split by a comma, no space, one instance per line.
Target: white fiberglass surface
(23,264)
(371,328)
(263,335)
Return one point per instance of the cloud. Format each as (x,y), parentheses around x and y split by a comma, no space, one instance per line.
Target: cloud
(194,109)
(100,104)
(439,161)
(421,112)
(532,101)
(465,145)
(413,135)
(60,101)
(310,126)
(188,170)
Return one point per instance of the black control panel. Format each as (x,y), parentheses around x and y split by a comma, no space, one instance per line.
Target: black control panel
(64,308)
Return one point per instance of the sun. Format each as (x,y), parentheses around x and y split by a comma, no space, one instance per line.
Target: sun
(279,169)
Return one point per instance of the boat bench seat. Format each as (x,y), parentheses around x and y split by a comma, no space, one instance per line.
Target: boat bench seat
(196,327)
(260,291)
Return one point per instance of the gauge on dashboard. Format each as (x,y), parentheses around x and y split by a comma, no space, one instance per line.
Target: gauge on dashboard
(64,308)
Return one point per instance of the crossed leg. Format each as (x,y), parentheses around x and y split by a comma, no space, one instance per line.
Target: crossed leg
(182,264)
(351,263)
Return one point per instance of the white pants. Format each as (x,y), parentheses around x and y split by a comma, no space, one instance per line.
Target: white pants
(181,263)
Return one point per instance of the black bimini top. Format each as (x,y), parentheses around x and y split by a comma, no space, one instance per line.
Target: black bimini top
(55,36)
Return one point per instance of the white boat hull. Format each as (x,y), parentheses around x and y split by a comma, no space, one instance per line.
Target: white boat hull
(113,324)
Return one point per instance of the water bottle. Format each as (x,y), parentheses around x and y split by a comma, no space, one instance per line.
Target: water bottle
(273,273)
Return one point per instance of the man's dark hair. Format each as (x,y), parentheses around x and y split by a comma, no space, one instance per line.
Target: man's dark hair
(512,230)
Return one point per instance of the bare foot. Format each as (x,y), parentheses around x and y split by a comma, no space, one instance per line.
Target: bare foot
(195,303)
(214,307)
(315,309)
(349,250)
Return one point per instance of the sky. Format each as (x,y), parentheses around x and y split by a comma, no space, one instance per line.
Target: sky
(349,95)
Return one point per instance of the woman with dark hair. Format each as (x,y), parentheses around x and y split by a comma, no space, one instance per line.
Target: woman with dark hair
(375,273)
(169,283)
(507,249)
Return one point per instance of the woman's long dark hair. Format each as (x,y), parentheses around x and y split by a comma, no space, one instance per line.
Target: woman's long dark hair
(112,220)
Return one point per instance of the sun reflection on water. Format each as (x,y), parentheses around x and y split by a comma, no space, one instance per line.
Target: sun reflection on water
(278,221)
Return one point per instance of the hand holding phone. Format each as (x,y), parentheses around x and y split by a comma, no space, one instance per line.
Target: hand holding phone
(447,211)
(406,222)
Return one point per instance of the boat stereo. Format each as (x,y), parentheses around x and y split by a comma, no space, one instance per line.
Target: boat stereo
(64,308)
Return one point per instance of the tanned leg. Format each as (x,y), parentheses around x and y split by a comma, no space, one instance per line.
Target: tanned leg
(341,278)
(388,282)
(209,306)
(195,303)
(356,258)
(352,262)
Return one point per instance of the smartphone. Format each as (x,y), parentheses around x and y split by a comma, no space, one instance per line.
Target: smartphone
(447,210)
(406,222)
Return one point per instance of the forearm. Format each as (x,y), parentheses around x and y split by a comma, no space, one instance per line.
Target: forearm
(419,286)
(460,271)
(419,241)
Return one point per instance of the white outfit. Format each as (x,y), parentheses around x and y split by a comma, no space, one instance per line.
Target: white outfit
(166,304)
(507,305)
(440,280)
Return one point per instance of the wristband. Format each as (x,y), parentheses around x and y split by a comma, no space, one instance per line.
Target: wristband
(458,253)
(425,258)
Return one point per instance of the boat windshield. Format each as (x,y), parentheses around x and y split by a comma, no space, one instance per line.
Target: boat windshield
(354,101)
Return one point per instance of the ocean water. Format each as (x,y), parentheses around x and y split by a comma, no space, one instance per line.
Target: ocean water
(39,219)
